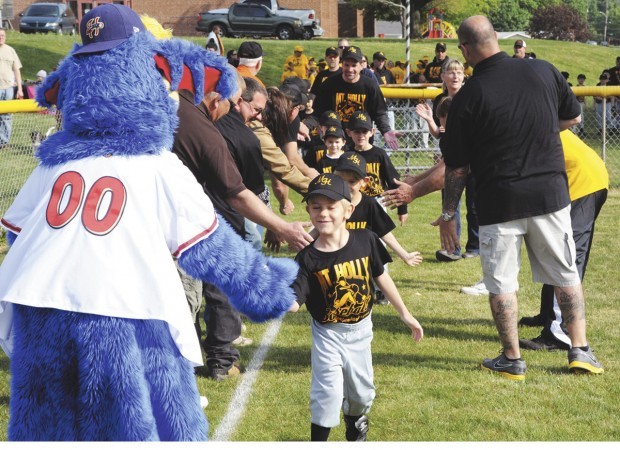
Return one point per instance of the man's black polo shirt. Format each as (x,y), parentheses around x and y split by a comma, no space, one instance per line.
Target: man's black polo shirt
(504,123)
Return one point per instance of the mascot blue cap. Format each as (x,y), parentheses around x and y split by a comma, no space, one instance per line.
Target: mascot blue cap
(107,26)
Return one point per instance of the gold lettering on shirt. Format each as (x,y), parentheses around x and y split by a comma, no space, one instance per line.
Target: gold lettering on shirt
(373,187)
(347,104)
(356,225)
(350,296)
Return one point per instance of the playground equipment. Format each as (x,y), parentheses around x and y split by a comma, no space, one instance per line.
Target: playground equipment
(436,27)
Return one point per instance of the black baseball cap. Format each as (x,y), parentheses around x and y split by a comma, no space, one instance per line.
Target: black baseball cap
(293,92)
(359,120)
(352,162)
(329,185)
(379,56)
(250,49)
(440,47)
(331,51)
(581,76)
(329,118)
(352,52)
(334,131)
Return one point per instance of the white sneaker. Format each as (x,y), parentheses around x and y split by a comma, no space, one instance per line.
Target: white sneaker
(204,402)
(242,341)
(477,289)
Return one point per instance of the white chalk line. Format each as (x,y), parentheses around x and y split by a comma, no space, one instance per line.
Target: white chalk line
(237,405)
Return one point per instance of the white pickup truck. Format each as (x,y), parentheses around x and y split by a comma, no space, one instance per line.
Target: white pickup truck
(309,21)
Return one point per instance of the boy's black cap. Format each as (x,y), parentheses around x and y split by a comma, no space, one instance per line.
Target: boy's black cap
(581,76)
(440,47)
(352,162)
(331,51)
(352,52)
(379,56)
(294,93)
(329,118)
(250,50)
(302,84)
(329,185)
(335,131)
(359,120)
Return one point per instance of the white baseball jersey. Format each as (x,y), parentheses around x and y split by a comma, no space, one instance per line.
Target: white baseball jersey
(98,235)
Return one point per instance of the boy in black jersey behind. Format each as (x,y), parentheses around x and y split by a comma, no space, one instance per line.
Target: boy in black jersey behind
(381,172)
(368,213)
(335,282)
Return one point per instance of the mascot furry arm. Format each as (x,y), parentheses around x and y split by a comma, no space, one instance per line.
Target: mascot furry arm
(92,311)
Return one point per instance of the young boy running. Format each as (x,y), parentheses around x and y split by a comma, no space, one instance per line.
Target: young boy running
(334,142)
(351,167)
(334,281)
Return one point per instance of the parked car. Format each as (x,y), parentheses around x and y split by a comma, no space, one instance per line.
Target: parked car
(250,20)
(310,23)
(55,18)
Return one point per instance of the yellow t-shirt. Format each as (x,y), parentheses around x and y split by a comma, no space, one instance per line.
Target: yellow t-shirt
(300,65)
(586,171)
(399,74)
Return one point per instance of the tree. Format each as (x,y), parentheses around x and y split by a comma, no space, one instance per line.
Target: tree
(559,22)
(510,16)
(390,10)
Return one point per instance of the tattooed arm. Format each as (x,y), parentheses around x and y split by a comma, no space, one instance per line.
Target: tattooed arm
(455,180)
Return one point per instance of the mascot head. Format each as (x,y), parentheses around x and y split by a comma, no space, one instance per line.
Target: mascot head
(113,90)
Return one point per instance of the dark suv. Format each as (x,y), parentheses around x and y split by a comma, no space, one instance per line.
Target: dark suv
(48,18)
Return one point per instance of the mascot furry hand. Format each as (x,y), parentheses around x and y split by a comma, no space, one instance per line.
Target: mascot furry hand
(92,311)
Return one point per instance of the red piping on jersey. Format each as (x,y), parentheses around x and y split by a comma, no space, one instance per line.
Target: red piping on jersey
(10,226)
(184,246)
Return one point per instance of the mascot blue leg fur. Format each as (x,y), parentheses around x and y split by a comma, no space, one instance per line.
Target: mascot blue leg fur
(100,378)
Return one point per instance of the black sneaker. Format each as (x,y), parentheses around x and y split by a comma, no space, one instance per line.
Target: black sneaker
(543,343)
(513,370)
(357,428)
(580,361)
(534,321)
(444,256)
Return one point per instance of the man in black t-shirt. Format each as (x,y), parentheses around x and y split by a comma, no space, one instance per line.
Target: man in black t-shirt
(332,58)
(352,92)
(381,72)
(510,141)
(432,72)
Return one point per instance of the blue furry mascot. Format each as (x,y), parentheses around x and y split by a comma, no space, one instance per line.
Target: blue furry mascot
(92,311)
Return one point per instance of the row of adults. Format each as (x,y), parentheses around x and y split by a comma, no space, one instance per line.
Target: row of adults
(520,194)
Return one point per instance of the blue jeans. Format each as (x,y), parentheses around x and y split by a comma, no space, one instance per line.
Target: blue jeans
(6,119)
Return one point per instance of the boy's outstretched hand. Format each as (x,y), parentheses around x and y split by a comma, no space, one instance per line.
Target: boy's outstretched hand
(413,258)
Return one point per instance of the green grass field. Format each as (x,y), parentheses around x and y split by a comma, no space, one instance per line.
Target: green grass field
(433,390)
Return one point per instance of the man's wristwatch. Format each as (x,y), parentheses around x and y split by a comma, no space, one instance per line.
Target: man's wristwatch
(447,217)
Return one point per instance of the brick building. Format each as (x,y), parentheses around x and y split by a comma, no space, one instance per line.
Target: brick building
(337,17)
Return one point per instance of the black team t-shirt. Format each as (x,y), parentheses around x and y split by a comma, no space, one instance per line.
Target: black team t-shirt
(337,287)
(369,214)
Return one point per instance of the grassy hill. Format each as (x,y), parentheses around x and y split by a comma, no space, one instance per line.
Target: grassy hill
(45,51)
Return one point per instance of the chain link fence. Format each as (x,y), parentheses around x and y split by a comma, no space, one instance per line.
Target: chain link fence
(419,150)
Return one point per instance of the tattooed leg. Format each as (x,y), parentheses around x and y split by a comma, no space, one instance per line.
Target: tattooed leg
(505,312)
(573,307)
